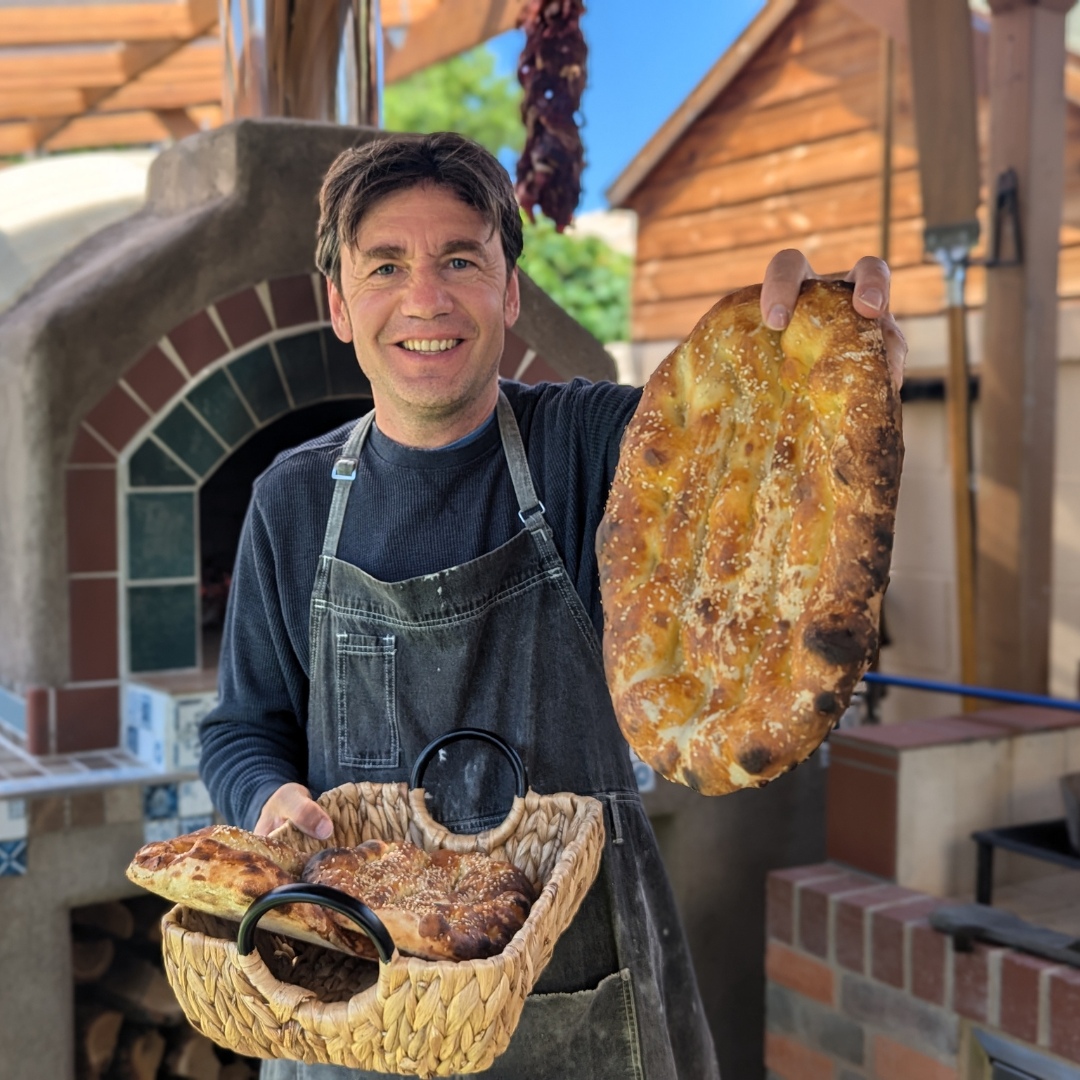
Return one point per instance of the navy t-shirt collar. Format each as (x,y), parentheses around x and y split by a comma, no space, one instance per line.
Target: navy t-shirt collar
(460,452)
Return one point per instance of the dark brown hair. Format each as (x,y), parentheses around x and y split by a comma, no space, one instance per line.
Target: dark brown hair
(363,175)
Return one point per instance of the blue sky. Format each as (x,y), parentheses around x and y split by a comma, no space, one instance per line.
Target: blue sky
(644,58)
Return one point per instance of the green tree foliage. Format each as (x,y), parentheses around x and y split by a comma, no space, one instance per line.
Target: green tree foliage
(464,94)
(583,275)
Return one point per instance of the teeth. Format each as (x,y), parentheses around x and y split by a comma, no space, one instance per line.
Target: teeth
(417,345)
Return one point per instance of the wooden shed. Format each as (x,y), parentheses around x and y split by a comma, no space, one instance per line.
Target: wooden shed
(785,143)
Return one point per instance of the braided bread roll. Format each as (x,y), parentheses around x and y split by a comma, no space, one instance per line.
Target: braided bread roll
(745,547)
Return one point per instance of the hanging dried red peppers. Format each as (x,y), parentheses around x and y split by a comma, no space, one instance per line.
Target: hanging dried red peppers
(552,73)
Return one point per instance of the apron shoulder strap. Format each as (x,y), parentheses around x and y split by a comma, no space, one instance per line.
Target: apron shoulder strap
(343,474)
(530,508)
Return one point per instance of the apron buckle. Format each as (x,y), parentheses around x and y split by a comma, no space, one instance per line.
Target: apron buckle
(539,508)
(344,469)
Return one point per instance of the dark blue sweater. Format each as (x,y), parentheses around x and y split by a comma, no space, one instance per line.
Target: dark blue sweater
(411,512)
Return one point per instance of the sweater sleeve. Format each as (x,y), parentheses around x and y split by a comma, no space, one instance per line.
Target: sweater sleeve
(254,740)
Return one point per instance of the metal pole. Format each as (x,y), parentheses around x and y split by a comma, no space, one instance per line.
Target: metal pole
(888,93)
(987,693)
(951,248)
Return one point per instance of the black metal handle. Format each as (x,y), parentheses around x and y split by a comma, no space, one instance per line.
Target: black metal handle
(324,896)
(511,755)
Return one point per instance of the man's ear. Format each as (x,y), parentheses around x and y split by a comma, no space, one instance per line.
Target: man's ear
(339,313)
(512,301)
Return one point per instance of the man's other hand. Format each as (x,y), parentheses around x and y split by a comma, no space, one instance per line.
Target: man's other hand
(293,802)
(789,269)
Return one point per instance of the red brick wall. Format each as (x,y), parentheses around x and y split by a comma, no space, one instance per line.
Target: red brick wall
(861,986)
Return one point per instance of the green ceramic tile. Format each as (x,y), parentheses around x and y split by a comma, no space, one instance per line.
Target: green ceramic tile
(216,401)
(189,440)
(161,536)
(257,376)
(162,624)
(346,378)
(150,466)
(302,362)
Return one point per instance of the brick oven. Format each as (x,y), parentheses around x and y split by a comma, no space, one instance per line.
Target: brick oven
(145,382)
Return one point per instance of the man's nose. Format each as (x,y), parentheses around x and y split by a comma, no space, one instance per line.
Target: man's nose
(426,295)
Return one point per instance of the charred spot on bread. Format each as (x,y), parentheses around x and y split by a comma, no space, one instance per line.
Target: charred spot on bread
(755,759)
(826,703)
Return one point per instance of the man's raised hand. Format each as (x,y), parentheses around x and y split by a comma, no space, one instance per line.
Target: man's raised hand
(293,802)
(789,269)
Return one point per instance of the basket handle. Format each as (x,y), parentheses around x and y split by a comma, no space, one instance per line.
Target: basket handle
(521,778)
(324,896)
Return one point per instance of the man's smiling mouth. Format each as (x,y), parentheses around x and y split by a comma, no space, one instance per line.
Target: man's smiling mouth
(428,345)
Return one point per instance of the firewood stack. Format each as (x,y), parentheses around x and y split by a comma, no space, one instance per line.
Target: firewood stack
(128,1025)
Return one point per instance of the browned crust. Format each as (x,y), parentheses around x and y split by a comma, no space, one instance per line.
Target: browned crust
(439,905)
(745,547)
(221,870)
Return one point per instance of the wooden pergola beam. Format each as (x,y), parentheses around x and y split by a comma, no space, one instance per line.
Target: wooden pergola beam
(36,25)
(450,28)
(1019,384)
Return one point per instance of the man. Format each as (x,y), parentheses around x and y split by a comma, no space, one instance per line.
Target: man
(434,569)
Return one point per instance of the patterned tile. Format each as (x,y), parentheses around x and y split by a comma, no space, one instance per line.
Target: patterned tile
(13,820)
(160,801)
(195,800)
(191,824)
(156,831)
(12,858)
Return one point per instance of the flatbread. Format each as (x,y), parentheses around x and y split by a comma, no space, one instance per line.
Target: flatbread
(440,905)
(221,870)
(746,543)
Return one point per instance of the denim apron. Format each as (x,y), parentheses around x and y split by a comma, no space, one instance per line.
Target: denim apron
(503,642)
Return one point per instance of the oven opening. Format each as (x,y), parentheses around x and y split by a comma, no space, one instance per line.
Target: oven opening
(224,499)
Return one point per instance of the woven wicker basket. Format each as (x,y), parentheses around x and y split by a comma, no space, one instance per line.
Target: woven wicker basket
(287,999)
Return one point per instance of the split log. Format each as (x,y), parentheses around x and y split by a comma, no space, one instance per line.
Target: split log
(141,989)
(97,1031)
(112,918)
(194,1058)
(140,1054)
(91,959)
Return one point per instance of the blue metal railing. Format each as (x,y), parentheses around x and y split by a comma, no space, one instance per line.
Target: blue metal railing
(988,693)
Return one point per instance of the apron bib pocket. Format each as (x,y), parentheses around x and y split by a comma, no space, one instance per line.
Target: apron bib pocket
(367,727)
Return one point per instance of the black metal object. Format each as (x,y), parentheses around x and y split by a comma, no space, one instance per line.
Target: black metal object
(1046,840)
(967,923)
(1011,1061)
(521,779)
(324,896)
(1006,212)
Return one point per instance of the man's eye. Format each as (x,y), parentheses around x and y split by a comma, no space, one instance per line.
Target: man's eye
(385,271)
(460,264)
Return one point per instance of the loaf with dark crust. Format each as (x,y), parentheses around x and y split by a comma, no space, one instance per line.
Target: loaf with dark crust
(221,870)
(439,905)
(746,543)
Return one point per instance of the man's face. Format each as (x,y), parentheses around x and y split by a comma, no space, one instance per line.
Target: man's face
(425,300)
